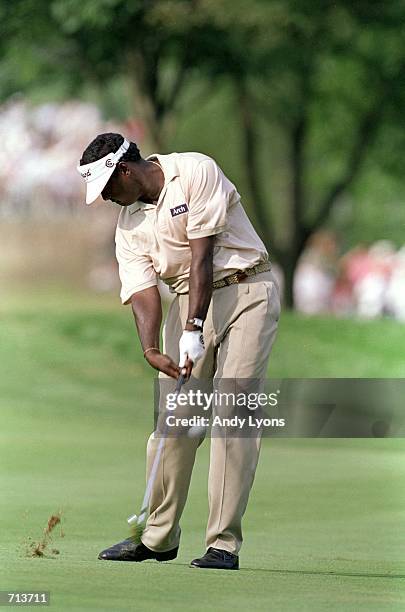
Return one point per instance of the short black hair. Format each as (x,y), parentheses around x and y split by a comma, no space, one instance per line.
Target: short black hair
(107,143)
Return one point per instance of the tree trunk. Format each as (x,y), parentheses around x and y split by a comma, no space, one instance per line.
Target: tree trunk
(251,161)
(289,260)
(298,230)
(289,264)
(144,101)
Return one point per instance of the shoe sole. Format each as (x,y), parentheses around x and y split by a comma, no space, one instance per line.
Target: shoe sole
(161,558)
(212,567)
(169,556)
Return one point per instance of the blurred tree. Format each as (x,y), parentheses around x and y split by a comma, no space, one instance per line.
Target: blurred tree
(79,44)
(328,79)
(318,85)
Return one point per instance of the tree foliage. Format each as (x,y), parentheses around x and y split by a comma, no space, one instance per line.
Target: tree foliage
(327,76)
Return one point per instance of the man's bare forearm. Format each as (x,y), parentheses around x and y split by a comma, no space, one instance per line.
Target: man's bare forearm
(147,310)
(200,289)
(201,275)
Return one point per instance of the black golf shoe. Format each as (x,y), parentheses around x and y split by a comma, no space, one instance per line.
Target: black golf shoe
(127,550)
(215,558)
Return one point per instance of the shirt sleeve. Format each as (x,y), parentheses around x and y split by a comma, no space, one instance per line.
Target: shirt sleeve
(208,199)
(136,270)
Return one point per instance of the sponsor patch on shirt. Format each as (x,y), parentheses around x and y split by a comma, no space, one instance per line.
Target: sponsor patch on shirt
(179,210)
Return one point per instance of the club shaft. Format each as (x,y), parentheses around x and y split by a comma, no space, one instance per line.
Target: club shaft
(156,461)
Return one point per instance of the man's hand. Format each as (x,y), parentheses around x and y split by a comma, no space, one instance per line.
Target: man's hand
(163,363)
(192,348)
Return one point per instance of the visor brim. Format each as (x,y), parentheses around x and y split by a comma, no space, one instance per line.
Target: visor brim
(95,187)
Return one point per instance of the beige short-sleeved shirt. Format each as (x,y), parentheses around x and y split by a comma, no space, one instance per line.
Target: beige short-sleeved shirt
(197,200)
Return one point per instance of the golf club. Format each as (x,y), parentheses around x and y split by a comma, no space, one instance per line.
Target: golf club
(138,522)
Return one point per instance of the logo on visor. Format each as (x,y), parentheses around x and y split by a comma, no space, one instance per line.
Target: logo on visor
(85,174)
(109,163)
(179,210)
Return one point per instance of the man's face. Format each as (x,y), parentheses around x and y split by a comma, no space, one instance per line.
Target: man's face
(122,188)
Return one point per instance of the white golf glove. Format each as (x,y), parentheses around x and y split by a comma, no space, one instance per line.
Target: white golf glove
(191,346)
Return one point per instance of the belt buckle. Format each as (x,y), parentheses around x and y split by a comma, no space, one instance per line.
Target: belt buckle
(241,275)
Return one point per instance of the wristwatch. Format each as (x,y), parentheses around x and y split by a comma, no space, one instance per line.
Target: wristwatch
(196,322)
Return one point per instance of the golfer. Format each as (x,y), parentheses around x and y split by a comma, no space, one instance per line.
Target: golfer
(182,221)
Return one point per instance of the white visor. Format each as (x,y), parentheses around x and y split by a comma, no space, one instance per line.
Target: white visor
(97,174)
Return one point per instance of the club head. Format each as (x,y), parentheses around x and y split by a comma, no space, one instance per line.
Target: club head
(132,520)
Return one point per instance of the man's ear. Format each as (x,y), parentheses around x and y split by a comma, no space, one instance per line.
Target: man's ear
(123,168)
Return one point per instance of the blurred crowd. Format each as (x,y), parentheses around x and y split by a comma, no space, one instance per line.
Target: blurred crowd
(38,155)
(39,152)
(367,281)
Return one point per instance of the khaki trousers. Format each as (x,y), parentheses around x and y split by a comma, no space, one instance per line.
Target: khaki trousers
(239,332)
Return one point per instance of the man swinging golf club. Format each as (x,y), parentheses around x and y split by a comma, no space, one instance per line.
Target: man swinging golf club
(182,221)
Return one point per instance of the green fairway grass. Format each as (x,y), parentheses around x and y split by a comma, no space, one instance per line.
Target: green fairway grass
(325,525)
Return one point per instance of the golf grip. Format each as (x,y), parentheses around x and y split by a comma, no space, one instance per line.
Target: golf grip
(156,461)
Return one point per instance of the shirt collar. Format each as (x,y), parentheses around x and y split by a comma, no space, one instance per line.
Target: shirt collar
(168,165)
(133,208)
(170,171)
